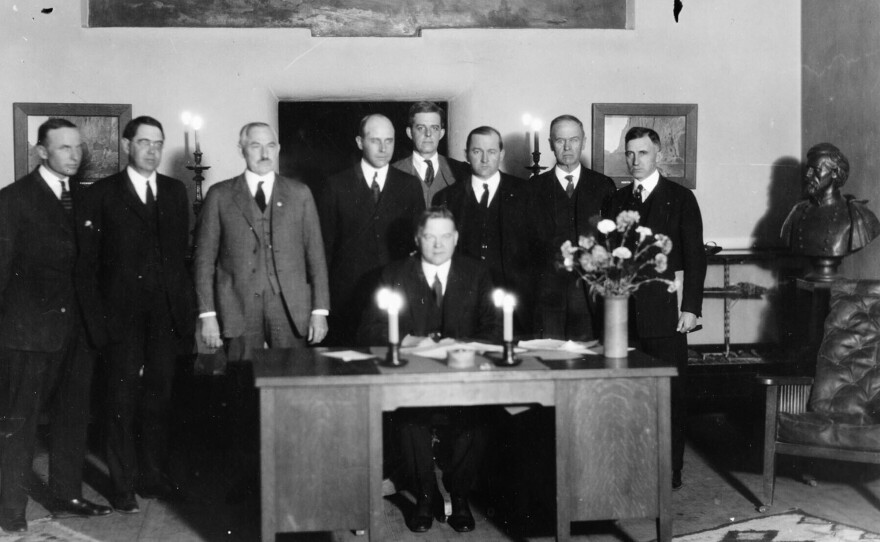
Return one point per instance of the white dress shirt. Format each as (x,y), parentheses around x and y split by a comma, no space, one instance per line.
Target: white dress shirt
(430,270)
(649,183)
(53,180)
(369,171)
(253,180)
(493,182)
(140,184)
(561,174)
(421,164)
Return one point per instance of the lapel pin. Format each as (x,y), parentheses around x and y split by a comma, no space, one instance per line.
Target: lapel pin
(279,204)
(88,224)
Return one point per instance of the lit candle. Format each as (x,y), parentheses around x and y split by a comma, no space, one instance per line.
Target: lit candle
(527,122)
(506,302)
(392,302)
(186,118)
(536,127)
(197,125)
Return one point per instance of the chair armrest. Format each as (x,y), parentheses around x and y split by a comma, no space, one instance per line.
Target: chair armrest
(784,380)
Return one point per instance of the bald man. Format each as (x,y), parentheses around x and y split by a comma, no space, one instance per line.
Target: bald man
(367,216)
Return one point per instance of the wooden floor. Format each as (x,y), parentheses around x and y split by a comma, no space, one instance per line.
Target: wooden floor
(721,484)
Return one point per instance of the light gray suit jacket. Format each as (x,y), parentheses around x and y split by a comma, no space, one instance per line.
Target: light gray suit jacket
(442,178)
(227,243)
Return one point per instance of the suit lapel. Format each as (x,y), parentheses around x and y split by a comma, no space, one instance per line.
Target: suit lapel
(445,173)
(658,207)
(454,294)
(48,203)
(242,199)
(418,280)
(129,197)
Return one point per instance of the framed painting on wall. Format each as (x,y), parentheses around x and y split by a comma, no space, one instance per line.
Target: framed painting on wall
(676,124)
(101,128)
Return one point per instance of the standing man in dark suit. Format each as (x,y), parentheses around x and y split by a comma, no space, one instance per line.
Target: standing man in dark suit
(45,359)
(426,126)
(568,200)
(135,238)
(367,216)
(444,295)
(660,324)
(495,220)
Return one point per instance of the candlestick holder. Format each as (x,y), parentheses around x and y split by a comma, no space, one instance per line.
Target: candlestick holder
(507,359)
(392,358)
(198,168)
(536,167)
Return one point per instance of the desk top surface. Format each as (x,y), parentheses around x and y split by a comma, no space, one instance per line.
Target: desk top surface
(284,367)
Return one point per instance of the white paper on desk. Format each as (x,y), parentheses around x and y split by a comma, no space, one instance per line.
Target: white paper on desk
(432,350)
(556,345)
(486,347)
(348,355)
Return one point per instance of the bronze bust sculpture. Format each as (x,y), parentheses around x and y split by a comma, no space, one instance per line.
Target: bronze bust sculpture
(828,225)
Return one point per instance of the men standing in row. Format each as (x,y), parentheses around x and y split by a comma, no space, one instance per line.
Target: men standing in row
(367,214)
(426,126)
(568,200)
(495,220)
(661,325)
(447,295)
(44,355)
(134,233)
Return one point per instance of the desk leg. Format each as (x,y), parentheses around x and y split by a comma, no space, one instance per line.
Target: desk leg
(563,459)
(267,465)
(664,461)
(377,503)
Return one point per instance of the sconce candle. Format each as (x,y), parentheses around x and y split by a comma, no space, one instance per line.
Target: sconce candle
(197,125)
(186,118)
(536,127)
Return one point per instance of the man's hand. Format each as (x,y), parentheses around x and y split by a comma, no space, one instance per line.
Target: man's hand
(686,322)
(317,328)
(211,332)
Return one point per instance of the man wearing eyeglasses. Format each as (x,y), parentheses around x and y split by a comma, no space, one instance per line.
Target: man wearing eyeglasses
(445,295)
(139,300)
(426,126)
(568,200)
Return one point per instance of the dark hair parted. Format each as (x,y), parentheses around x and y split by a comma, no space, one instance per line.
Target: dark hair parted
(433,212)
(564,118)
(132,127)
(638,132)
(52,124)
(484,130)
(425,107)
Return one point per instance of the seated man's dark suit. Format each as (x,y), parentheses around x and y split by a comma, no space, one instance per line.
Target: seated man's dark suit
(45,359)
(467,313)
(563,308)
(672,210)
(504,237)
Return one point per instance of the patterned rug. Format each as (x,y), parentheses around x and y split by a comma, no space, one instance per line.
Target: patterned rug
(46,530)
(791,526)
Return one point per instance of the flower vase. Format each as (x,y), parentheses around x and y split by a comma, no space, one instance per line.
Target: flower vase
(616,326)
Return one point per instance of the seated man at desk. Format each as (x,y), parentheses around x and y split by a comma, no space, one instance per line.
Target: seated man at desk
(445,295)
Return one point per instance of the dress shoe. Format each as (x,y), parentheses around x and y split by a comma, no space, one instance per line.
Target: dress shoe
(125,503)
(422,518)
(676,480)
(162,489)
(62,508)
(13,521)
(461,519)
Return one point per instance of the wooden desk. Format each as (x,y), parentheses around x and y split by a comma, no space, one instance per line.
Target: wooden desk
(321,434)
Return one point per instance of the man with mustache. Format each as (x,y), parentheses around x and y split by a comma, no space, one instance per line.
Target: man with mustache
(134,240)
(828,224)
(45,360)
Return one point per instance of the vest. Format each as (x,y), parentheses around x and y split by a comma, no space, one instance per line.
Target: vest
(480,235)
(265,257)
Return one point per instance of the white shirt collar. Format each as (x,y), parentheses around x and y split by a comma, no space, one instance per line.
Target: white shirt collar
(649,183)
(53,180)
(430,270)
(253,180)
(369,171)
(421,164)
(493,182)
(140,183)
(561,174)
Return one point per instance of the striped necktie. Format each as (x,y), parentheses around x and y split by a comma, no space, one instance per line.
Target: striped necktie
(66,199)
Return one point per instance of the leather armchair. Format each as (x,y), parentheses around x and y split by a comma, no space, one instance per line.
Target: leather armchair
(836,414)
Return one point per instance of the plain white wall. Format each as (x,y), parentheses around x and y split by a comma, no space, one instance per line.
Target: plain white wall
(740,61)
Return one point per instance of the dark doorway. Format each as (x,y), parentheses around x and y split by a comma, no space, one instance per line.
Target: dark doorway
(317,138)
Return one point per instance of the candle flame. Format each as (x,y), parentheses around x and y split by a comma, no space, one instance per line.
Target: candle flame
(186,118)
(527,119)
(537,124)
(197,123)
(498,297)
(389,300)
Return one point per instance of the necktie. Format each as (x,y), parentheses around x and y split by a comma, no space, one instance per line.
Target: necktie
(66,200)
(569,188)
(484,199)
(260,197)
(640,193)
(438,291)
(374,186)
(429,173)
(151,199)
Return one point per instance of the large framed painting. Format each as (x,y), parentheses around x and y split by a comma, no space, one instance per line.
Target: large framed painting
(101,128)
(676,124)
(363,17)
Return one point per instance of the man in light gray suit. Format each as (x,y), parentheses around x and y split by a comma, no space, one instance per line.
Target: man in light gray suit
(261,278)
(426,127)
